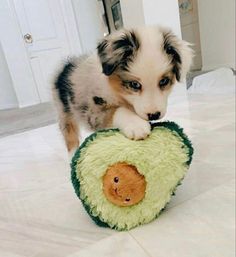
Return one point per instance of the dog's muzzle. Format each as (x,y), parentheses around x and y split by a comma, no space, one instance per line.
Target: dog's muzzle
(154,116)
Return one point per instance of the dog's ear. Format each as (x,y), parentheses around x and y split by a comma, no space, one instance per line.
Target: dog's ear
(117,50)
(179,52)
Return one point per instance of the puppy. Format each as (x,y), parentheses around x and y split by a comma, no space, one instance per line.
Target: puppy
(125,84)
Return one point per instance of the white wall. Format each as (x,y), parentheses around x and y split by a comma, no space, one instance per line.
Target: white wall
(89,23)
(7,93)
(217,33)
(163,12)
(132,13)
(151,12)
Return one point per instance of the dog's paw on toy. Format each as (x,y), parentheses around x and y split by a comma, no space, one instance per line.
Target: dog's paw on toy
(124,183)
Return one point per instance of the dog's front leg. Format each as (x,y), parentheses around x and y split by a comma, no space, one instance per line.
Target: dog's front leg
(131,124)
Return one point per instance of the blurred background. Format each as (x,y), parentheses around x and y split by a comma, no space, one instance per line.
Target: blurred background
(37,35)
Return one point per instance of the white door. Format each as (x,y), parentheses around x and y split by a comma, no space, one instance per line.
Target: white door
(43,28)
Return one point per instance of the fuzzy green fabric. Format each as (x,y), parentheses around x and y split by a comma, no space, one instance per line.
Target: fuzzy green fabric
(163,159)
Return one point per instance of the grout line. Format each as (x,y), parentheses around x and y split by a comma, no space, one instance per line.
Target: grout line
(148,254)
(190,199)
(139,243)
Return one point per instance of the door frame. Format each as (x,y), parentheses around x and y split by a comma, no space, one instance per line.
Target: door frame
(16,55)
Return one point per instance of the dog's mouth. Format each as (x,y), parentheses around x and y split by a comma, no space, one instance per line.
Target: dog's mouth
(126,199)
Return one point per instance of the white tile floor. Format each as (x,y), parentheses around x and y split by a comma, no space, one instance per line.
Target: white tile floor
(40,215)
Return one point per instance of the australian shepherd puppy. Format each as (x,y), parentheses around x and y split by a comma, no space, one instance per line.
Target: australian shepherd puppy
(125,84)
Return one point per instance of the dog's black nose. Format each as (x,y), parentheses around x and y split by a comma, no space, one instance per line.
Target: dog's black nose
(154,116)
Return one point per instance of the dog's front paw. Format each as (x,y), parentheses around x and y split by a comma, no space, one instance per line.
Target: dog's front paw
(136,128)
(131,124)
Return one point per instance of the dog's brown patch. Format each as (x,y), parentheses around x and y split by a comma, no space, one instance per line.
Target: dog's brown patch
(108,120)
(70,133)
(116,84)
(172,78)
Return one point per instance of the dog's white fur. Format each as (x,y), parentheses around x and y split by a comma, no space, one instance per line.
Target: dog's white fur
(122,107)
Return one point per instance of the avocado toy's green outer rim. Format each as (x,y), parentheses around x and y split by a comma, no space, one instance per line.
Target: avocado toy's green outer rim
(172,126)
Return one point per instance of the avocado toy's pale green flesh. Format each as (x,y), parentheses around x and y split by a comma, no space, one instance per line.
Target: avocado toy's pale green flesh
(162,158)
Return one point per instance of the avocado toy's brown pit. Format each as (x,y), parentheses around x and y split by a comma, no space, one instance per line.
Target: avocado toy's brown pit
(123,185)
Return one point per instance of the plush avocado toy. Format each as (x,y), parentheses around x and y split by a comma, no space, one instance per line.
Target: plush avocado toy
(124,183)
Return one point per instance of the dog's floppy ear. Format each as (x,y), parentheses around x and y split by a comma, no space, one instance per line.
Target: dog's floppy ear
(117,50)
(179,52)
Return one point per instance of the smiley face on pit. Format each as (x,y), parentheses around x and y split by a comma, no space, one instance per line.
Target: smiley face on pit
(123,185)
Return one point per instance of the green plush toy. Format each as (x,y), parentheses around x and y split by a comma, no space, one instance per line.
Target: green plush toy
(124,183)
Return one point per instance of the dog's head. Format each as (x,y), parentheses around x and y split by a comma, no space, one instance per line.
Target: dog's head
(143,65)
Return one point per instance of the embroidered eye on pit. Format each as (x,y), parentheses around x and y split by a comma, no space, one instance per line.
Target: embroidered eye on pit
(164,82)
(116,179)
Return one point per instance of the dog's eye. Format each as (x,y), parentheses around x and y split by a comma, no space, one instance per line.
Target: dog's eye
(164,82)
(136,86)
